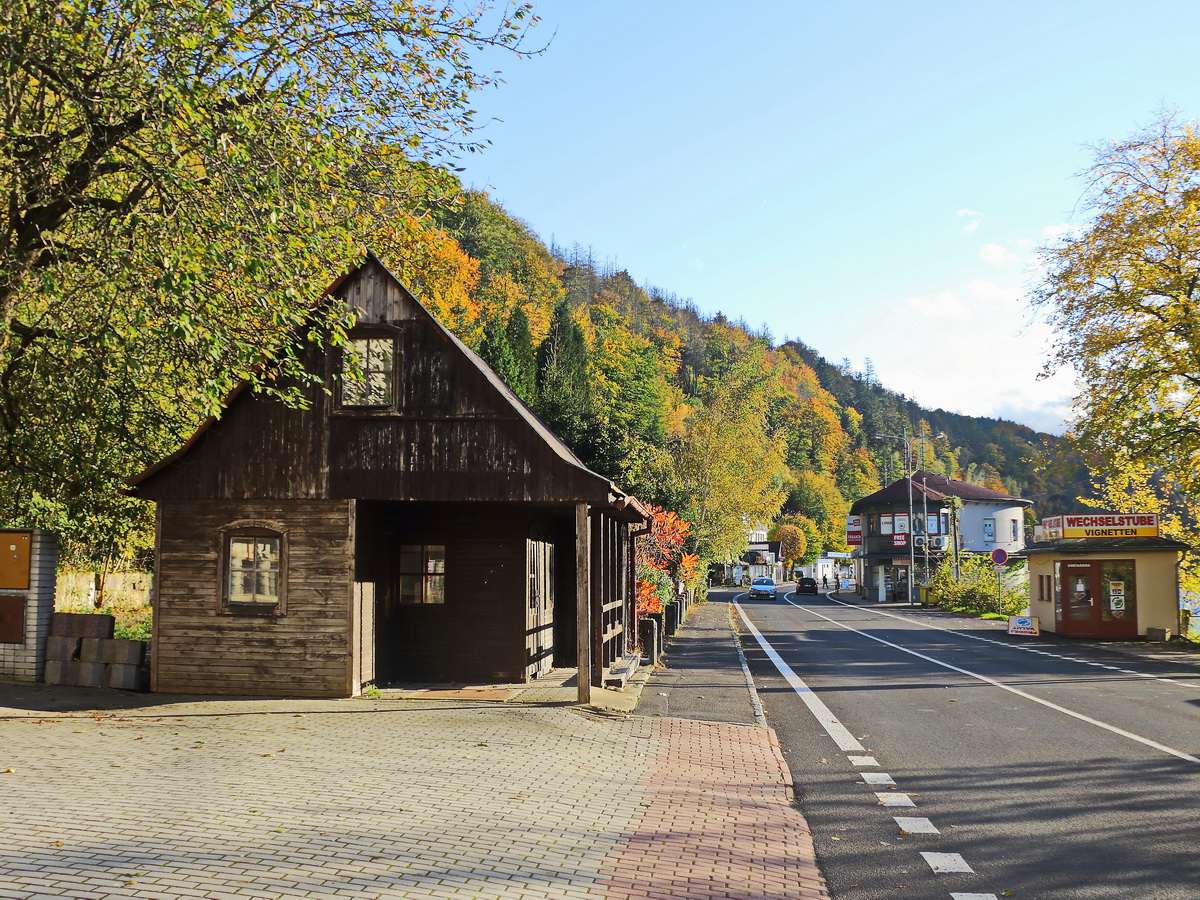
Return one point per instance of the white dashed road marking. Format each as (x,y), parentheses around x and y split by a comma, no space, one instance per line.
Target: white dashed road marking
(916,825)
(876,777)
(939,862)
(943,863)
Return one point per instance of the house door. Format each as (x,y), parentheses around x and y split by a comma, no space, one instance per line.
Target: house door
(539,613)
(1098,599)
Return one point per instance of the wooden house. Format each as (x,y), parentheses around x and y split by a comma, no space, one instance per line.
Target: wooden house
(414,524)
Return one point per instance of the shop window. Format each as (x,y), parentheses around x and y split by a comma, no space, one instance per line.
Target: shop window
(1119,603)
(422,574)
(885,524)
(1016,530)
(369,373)
(255,573)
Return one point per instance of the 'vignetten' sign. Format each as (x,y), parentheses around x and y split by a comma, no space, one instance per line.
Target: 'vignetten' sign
(1100,525)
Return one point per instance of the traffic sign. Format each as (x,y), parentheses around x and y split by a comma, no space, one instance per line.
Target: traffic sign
(999,556)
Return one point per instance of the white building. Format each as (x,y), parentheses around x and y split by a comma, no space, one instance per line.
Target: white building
(914,523)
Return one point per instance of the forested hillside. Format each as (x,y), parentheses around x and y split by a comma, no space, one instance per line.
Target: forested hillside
(696,414)
(701,414)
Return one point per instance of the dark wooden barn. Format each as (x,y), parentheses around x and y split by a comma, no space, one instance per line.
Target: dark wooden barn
(417,523)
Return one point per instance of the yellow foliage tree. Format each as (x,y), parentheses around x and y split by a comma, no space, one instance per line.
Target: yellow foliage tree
(1131,485)
(1123,296)
(792,544)
(435,268)
(728,466)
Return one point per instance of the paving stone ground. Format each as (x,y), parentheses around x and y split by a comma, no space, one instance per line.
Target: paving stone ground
(392,798)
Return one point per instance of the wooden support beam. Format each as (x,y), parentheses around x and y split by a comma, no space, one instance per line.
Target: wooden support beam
(583,603)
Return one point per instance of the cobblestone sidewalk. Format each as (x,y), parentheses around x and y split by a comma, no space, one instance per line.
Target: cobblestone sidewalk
(389,799)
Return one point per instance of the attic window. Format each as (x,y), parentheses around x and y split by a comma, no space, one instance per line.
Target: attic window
(369,372)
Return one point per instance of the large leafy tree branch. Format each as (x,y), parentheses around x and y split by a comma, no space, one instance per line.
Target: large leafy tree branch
(1122,295)
(178,180)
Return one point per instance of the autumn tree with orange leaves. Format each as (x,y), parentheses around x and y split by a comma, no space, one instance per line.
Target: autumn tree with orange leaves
(662,560)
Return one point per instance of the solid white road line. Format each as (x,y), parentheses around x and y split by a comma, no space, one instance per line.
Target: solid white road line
(760,715)
(835,729)
(1011,646)
(916,825)
(1005,687)
(947,862)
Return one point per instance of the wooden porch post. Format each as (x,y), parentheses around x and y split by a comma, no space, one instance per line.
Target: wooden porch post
(583,603)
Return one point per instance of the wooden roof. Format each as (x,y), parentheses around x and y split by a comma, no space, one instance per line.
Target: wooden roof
(460,433)
(933,488)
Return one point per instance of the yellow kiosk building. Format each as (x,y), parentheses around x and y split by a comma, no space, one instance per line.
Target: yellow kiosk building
(1105,575)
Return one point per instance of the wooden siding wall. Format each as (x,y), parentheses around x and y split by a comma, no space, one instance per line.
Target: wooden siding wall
(306,652)
(479,632)
(259,447)
(452,436)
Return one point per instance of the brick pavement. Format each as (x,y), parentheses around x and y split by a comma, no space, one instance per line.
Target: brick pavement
(392,798)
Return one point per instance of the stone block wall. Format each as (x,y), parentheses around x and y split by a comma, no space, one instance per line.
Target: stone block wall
(81,651)
(25,660)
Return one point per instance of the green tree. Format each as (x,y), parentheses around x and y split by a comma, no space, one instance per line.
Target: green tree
(508,349)
(816,496)
(517,270)
(563,387)
(812,537)
(1123,297)
(976,586)
(179,182)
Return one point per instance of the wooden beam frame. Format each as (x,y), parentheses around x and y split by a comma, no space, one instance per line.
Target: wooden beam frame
(583,603)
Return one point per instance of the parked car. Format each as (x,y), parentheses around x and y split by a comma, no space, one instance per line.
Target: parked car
(762,587)
(806,586)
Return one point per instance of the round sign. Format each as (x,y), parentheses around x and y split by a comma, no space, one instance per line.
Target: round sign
(999,556)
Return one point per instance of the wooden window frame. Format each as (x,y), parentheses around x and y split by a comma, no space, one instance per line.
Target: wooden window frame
(424,574)
(369,334)
(240,530)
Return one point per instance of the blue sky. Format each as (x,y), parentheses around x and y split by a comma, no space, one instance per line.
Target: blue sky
(872,178)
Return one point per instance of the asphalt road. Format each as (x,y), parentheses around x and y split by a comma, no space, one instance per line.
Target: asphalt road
(1047,768)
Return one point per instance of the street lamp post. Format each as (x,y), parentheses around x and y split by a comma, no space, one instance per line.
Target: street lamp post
(912,563)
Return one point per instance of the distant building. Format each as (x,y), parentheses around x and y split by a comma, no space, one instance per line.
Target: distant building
(914,518)
(762,559)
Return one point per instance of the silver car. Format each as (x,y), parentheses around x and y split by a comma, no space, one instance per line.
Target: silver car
(762,587)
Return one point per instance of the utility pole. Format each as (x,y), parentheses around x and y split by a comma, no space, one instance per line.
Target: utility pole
(925,529)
